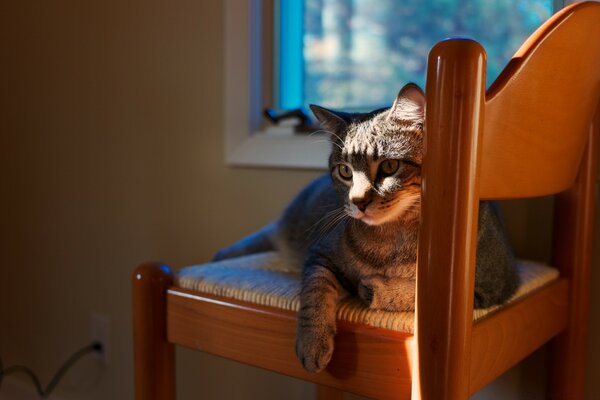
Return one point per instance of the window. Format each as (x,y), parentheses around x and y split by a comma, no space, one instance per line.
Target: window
(247,83)
(356,54)
(345,54)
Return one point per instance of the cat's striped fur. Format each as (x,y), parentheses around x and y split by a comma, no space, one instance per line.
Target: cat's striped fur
(355,230)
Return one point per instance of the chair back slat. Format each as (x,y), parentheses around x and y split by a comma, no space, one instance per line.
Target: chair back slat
(538,112)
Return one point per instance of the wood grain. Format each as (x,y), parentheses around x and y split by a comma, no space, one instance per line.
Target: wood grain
(502,340)
(449,212)
(539,109)
(154,357)
(367,361)
(572,244)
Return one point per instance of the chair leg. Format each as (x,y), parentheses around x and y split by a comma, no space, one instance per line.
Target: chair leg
(154,356)
(568,365)
(574,225)
(329,393)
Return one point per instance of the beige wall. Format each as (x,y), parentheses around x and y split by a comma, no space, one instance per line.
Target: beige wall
(111,154)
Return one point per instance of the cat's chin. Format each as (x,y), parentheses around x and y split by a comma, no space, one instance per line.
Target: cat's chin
(379,219)
(371,220)
(364,217)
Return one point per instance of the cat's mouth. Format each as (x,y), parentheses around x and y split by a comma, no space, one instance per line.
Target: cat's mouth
(370,219)
(369,216)
(389,211)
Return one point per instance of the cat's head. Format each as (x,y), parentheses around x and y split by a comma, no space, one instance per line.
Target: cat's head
(376,157)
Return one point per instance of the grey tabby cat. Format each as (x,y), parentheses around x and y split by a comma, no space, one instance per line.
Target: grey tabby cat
(355,230)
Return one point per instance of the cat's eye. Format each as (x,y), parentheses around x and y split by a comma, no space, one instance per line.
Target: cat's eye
(345,171)
(389,167)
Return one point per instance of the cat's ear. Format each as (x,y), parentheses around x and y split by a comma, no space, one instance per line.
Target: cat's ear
(409,104)
(333,121)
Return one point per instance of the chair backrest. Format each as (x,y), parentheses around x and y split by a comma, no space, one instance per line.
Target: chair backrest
(538,111)
(525,137)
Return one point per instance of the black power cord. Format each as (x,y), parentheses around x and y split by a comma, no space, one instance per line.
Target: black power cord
(44,393)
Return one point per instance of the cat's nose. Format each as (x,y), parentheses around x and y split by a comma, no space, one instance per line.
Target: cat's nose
(361,202)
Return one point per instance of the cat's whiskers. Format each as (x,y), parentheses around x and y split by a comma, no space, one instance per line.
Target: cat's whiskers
(328,141)
(321,131)
(324,225)
(330,214)
(334,222)
(335,135)
(331,134)
(328,132)
(329,226)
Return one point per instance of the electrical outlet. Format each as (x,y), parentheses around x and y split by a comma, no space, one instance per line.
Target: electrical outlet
(100,331)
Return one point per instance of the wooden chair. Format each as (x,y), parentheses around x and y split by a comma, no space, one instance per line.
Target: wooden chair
(534,133)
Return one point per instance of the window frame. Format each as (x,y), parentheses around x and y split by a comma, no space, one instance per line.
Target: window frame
(247,73)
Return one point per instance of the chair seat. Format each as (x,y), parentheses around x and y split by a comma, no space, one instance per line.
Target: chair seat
(267,279)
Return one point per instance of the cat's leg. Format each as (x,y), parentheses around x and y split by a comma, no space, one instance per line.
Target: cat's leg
(390,294)
(258,242)
(316,320)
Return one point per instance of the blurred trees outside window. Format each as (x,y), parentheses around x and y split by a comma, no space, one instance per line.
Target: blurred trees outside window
(357,54)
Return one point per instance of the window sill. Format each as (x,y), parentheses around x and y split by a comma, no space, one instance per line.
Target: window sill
(293,151)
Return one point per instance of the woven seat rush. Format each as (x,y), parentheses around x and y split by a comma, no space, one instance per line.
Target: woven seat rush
(267,279)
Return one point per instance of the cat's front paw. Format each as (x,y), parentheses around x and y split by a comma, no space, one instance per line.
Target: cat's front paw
(314,349)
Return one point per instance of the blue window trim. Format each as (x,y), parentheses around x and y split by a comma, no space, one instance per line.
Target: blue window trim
(291,74)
